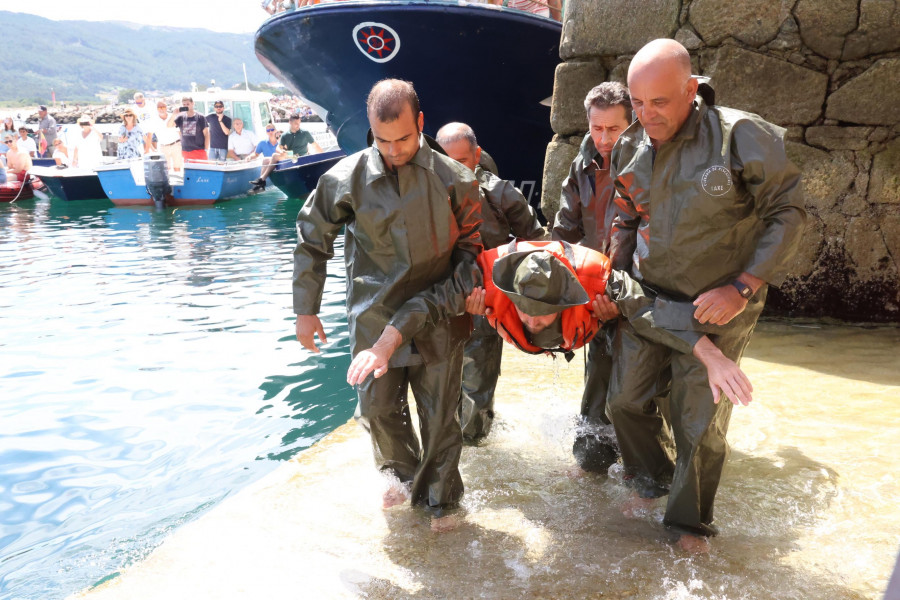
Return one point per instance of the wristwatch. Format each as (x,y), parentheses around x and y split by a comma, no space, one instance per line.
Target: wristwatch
(743,289)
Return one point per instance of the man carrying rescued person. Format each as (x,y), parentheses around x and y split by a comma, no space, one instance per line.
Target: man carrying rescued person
(709,212)
(411,240)
(504,212)
(585,216)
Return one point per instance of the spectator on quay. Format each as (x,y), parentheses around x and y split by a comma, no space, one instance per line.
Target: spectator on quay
(86,152)
(47,127)
(167,139)
(61,154)
(219,129)
(194,132)
(3,150)
(544,8)
(25,143)
(297,142)
(8,126)
(241,142)
(131,137)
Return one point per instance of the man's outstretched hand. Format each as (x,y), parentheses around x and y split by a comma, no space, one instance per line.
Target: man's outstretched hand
(725,377)
(307,327)
(375,359)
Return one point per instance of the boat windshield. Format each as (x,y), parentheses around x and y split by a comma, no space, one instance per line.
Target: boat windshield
(242,111)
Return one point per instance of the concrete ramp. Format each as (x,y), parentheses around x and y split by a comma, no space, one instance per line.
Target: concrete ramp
(799,516)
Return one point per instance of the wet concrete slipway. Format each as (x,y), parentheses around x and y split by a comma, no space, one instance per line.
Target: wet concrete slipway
(809,507)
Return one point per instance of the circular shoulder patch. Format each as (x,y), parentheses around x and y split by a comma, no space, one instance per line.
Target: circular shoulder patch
(716,181)
(377,41)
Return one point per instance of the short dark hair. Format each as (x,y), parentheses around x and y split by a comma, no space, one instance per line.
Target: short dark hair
(387,98)
(607,94)
(295,117)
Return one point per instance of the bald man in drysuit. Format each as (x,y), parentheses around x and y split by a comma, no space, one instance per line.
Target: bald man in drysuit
(709,212)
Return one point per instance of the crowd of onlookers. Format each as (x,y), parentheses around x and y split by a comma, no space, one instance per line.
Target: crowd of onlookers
(545,8)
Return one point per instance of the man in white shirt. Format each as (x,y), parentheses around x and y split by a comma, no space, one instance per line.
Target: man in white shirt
(241,142)
(168,138)
(26,144)
(144,111)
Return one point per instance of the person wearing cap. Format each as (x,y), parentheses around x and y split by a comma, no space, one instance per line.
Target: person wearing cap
(194,132)
(219,129)
(47,127)
(585,216)
(505,213)
(709,212)
(25,143)
(242,142)
(131,137)
(142,108)
(86,152)
(297,142)
(411,218)
(538,296)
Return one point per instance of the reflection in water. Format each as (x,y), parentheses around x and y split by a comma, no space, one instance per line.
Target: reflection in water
(147,364)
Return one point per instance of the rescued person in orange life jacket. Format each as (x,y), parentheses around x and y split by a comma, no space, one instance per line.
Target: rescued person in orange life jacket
(537,295)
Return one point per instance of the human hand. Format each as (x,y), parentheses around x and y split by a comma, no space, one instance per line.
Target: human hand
(725,377)
(720,305)
(308,326)
(375,359)
(604,308)
(475,302)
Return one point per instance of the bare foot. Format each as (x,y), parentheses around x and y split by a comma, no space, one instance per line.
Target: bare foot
(636,507)
(444,524)
(693,544)
(393,496)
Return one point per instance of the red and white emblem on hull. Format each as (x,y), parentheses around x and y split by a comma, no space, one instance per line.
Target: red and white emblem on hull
(377,41)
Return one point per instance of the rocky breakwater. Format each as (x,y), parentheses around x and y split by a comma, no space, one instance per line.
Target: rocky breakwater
(103,114)
(829,72)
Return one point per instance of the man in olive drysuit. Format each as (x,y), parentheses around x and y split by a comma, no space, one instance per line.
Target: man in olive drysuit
(504,212)
(709,211)
(411,240)
(585,217)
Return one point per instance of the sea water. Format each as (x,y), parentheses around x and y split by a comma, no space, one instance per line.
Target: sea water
(148,369)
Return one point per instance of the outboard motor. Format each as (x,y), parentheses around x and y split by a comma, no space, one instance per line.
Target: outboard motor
(156,178)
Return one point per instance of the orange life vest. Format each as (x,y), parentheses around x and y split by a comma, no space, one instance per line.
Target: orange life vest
(578,323)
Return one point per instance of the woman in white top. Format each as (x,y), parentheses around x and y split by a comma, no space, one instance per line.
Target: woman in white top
(61,153)
(86,151)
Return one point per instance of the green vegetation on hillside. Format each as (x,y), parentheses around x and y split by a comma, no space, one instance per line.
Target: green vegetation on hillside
(79,59)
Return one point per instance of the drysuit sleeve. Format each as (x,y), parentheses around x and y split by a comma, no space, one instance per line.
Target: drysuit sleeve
(320,220)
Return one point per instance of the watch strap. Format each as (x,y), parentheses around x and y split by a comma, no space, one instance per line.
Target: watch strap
(743,289)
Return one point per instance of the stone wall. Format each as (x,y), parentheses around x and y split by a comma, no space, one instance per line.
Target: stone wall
(829,72)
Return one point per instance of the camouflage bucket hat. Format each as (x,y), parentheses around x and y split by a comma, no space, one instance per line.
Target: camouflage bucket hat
(538,283)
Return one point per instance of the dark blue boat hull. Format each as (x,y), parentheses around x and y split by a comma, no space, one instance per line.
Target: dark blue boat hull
(487,67)
(298,179)
(75,188)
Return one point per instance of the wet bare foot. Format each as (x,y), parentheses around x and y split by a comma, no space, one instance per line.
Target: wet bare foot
(693,544)
(393,496)
(636,507)
(444,524)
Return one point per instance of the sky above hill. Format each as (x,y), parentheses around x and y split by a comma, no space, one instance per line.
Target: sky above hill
(234,16)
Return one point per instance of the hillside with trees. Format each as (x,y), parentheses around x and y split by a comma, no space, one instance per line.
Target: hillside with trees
(78,59)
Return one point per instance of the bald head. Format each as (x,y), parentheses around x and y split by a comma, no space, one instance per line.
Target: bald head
(459,142)
(662,89)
